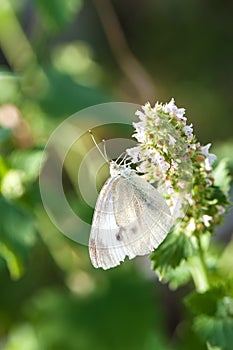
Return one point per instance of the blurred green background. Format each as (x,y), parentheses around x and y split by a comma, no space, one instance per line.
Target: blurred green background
(57,57)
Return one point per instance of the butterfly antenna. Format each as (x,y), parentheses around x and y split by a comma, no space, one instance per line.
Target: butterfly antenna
(126,160)
(105,152)
(119,157)
(104,155)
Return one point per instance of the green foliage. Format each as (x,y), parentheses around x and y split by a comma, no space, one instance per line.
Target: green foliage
(222,176)
(56,319)
(176,248)
(176,277)
(29,161)
(217,332)
(57,13)
(17,235)
(55,62)
(76,96)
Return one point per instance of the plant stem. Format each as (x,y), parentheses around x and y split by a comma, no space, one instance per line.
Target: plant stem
(199,270)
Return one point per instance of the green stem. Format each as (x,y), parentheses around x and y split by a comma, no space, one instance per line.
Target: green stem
(199,270)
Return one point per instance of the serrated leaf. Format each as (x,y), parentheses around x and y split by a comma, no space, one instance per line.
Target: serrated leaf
(174,249)
(177,277)
(204,303)
(222,177)
(216,331)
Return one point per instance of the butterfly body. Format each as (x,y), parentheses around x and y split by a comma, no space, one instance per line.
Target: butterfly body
(131,218)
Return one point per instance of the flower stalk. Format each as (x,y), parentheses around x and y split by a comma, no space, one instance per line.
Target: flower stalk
(169,155)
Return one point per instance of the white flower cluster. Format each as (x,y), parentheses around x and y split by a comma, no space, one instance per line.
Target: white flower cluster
(169,154)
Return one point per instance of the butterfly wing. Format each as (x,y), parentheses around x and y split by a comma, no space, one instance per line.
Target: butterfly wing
(130,218)
(105,248)
(143,215)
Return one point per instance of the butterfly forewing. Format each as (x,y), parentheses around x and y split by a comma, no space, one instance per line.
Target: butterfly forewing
(142,213)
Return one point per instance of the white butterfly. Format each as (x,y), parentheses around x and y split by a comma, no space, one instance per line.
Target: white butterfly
(131,218)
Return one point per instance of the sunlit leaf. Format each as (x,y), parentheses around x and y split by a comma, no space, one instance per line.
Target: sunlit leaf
(17,235)
(14,264)
(27,160)
(178,276)
(174,249)
(222,176)
(22,338)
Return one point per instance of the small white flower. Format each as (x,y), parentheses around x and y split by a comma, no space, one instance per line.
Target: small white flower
(140,131)
(172,140)
(192,146)
(157,121)
(162,164)
(158,107)
(191,225)
(182,184)
(147,109)
(144,167)
(141,115)
(180,115)
(221,209)
(169,187)
(134,153)
(210,156)
(208,182)
(174,164)
(206,220)
(188,130)
(208,166)
(189,198)
(170,107)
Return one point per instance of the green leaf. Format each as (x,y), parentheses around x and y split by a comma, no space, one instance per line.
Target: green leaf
(175,249)
(13,262)
(177,277)
(217,332)
(3,167)
(214,324)
(204,303)
(17,235)
(222,177)
(58,13)
(27,160)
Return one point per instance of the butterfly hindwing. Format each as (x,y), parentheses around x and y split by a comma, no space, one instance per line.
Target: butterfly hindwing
(105,248)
